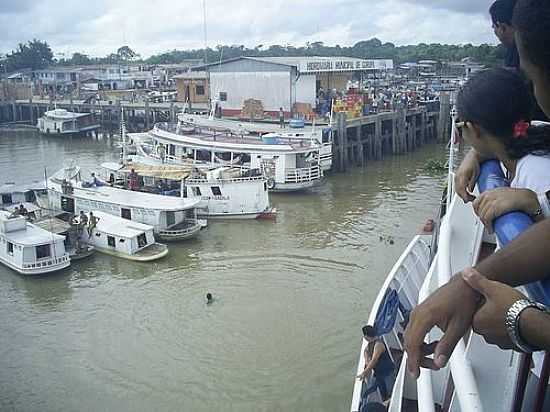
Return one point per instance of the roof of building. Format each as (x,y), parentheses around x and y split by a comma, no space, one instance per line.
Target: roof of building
(315,63)
(191,76)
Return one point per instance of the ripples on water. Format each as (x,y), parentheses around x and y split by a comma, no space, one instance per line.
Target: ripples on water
(290,298)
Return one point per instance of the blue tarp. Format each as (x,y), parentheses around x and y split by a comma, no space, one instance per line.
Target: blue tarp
(387,314)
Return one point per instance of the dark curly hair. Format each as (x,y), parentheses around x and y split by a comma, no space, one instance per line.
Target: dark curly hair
(496,100)
(531,20)
(501,11)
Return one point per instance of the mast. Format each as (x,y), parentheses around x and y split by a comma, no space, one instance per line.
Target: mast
(123,135)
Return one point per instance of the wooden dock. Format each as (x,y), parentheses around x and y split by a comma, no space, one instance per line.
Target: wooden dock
(356,141)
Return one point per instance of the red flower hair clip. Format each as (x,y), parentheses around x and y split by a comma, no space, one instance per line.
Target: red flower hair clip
(520,129)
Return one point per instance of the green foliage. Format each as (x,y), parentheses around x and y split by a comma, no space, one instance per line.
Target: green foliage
(372,49)
(125,53)
(37,54)
(33,55)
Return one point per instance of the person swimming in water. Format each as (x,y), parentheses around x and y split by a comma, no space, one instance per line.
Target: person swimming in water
(209,298)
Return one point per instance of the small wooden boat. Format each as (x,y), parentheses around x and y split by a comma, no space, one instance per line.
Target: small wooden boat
(122,238)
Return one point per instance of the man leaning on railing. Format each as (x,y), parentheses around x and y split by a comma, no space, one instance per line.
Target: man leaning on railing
(455,307)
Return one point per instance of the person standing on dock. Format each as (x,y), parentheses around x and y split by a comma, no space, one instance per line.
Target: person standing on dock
(281,118)
(133,180)
(92,223)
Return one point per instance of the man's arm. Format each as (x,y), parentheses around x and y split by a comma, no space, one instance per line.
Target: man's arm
(525,260)
(379,349)
(452,307)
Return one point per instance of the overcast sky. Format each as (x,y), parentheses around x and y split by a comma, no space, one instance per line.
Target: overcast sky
(99,27)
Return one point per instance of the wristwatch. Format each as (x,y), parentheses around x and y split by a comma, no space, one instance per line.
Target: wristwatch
(512,323)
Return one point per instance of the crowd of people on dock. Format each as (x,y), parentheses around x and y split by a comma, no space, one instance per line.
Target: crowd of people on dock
(497,109)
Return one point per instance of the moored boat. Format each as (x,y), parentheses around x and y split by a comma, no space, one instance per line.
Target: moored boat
(28,249)
(123,238)
(288,164)
(172,218)
(64,122)
(226,192)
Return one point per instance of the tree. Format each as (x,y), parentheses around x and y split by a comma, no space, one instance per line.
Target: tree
(33,55)
(125,53)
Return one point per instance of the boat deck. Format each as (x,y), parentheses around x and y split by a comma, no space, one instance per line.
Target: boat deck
(151,251)
(210,136)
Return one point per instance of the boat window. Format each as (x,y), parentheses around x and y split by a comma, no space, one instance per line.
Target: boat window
(223,96)
(10,248)
(67,204)
(111,241)
(6,199)
(170,219)
(142,240)
(98,234)
(196,191)
(126,213)
(265,186)
(216,191)
(200,90)
(120,240)
(43,251)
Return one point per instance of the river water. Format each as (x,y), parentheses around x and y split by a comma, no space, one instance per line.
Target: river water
(283,333)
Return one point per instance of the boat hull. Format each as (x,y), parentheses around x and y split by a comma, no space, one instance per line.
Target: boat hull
(177,235)
(37,271)
(138,257)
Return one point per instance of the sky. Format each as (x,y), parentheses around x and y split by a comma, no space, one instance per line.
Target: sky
(100,27)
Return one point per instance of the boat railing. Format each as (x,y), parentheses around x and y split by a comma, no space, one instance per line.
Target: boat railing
(204,180)
(47,263)
(301,175)
(192,225)
(507,228)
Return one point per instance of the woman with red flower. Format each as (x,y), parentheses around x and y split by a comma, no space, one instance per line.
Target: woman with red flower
(495,107)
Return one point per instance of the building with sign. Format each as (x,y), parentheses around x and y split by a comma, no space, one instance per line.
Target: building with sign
(284,81)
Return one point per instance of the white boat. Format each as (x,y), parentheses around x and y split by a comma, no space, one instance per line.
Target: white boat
(28,249)
(123,238)
(172,218)
(479,376)
(227,192)
(64,122)
(12,196)
(320,135)
(288,164)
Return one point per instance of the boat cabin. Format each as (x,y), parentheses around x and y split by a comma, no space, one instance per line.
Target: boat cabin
(28,249)
(122,238)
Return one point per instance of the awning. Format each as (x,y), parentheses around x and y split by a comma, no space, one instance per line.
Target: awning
(170,172)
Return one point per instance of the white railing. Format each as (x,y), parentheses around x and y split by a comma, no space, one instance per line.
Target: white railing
(461,370)
(308,174)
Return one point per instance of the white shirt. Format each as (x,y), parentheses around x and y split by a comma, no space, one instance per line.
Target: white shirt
(532,172)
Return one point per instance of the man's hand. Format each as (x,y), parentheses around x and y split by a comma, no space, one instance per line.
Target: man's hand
(452,309)
(490,319)
(466,176)
(497,202)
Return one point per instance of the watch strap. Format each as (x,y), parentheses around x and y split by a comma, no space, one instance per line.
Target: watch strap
(512,323)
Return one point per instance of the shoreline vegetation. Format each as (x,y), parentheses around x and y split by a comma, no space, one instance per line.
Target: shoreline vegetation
(37,54)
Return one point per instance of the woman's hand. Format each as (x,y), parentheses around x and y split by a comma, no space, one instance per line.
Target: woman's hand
(497,202)
(466,176)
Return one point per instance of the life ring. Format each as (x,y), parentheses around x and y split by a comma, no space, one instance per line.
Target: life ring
(271,183)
